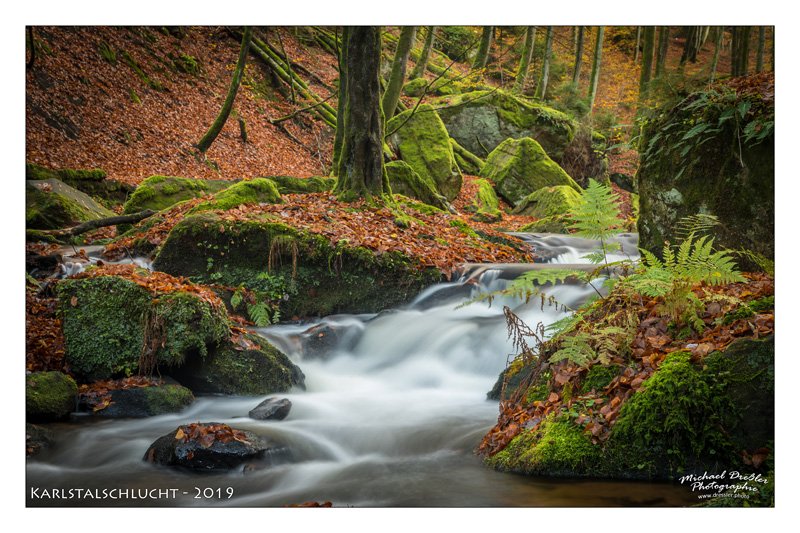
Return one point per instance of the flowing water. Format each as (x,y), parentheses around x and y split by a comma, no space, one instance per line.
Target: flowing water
(391,416)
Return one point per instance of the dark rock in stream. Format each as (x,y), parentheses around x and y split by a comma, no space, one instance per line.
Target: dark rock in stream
(207,446)
(271,409)
(319,341)
(36,439)
(140,402)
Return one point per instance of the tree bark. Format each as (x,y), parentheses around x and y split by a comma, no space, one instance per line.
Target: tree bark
(598,55)
(361,165)
(744,50)
(647,61)
(541,90)
(638,42)
(576,73)
(525,59)
(340,107)
(216,127)
(762,41)
(398,75)
(29,64)
(101,223)
(482,57)
(422,62)
(663,47)
(690,46)
(717,49)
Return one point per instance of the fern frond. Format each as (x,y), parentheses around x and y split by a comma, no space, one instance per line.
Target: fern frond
(237,298)
(596,214)
(692,225)
(764,263)
(575,348)
(259,314)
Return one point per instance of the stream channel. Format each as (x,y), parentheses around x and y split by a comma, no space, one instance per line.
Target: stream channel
(390,417)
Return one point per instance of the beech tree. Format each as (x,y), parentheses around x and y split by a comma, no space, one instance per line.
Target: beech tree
(398,75)
(576,73)
(762,41)
(598,55)
(661,54)
(525,59)
(422,64)
(360,170)
(720,33)
(482,57)
(219,122)
(548,47)
(649,34)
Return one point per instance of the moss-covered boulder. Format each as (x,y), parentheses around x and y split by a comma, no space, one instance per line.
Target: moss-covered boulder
(485,203)
(255,191)
(108,319)
(404,180)
(140,402)
(713,153)
(161,192)
(481,120)
(548,202)
(305,272)
(49,396)
(292,185)
(93,182)
(553,224)
(421,140)
(468,162)
(52,204)
(521,167)
(440,87)
(252,368)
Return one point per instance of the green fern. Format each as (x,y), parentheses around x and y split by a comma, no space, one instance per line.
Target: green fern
(596,216)
(259,314)
(237,298)
(575,348)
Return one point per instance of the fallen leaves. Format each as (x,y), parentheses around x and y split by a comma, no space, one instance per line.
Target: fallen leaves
(207,434)
(44,338)
(97,395)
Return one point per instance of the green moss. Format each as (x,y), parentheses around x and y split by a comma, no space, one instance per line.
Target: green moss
(419,136)
(548,202)
(140,73)
(554,224)
(404,180)
(441,86)
(557,447)
(191,325)
(598,377)
(51,204)
(748,309)
(485,204)
(464,228)
(521,167)
(167,398)
(161,192)
(49,395)
(255,191)
(291,185)
(37,172)
(419,207)
(415,87)
(187,64)
(32,235)
(468,162)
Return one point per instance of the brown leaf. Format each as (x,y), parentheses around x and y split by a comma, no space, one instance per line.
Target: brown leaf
(73,301)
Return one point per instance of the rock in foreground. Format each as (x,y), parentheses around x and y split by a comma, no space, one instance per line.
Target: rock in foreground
(271,409)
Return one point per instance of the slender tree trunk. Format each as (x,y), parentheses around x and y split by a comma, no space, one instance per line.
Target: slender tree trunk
(772,55)
(638,42)
(342,100)
(598,54)
(735,38)
(647,61)
(422,63)
(576,74)
(398,76)
(216,127)
(744,57)
(689,50)
(362,173)
(525,59)
(482,56)
(762,42)
(541,90)
(29,64)
(663,47)
(717,48)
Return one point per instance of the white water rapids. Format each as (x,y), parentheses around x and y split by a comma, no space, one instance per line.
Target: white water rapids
(390,417)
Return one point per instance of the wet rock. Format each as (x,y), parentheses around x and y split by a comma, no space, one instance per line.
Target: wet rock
(319,341)
(206,446)
(37,438)
(49,396)
(140,402)
(271,409)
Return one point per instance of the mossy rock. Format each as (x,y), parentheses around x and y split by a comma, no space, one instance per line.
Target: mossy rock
(554,224)
(93,182)
(599,377)
(161,192)
(234,369)
(521,167)
(415,87)
(255,191)
(494,116)
(548,202)
(140,402)
(721,174)
(468,162)
(304,271)
(292,185)
(49,396)
(422,141)
(37,172)
(485,203)
(440,87)
(105,318)
(403,180)
(52,204)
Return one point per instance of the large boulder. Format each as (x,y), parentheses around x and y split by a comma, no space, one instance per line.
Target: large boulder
(481,120)
(484,202)
(52,204)
(309,275)
(152,399)
(404,180)
(521,167)
(697,157)
(161,192)
(292,185)
(93,182)
(548,202)
(49,396)
(419,136)
(252,192)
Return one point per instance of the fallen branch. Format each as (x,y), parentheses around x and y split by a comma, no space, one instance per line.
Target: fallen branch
(295,113)
(100,223)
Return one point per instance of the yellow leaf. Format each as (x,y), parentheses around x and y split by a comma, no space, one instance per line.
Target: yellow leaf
(180,435)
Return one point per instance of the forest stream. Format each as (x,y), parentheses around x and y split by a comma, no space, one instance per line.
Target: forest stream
(390,417)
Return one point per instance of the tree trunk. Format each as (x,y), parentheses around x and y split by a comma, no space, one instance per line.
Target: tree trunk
(216,127)
(398,75)
(422,62)
(339,137)
(598,53)
(717,48)
(735,38)
(361,165)
(762,41)
(690,46)
(744,50)
(525,60)
(772,55)
(647,61)
(576,73)
(663,47)
(541,90)
(638,42)
(482,56)
(29,64)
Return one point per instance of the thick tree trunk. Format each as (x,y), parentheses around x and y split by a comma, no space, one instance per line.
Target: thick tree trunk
(717,49)
(598,55)
(398,75)
(216,127)
(689,47)
(541,90)
(744,50)
(422,62)
(762,41)
(576,73)
(647,61)
(361,165)
(482,57)
(525,59)
(663,46)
